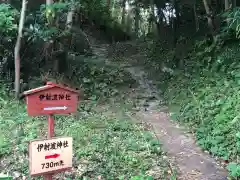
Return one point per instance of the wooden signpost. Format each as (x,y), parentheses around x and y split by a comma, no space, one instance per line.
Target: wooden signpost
(53,155)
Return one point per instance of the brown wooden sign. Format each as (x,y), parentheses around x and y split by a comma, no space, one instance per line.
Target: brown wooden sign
(51,99)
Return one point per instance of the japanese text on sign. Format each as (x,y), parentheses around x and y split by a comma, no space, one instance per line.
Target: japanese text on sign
(52,146)
(50,97)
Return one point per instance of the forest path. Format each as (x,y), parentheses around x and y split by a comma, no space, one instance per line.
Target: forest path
(192,163)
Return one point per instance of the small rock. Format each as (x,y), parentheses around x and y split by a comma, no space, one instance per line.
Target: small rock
(16,174)
(68,173)
(165,157)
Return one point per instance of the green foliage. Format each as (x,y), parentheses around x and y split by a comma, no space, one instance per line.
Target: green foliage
(42,26)
(208,102)
(96,12)
(232,19)
(98,79)
(49,24)
(141,178)
(8,31)
(234,169)
(8,17)
(161,49)
(5,177)
(204,95)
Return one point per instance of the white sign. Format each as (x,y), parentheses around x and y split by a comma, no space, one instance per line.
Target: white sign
(55,108)
(51,155)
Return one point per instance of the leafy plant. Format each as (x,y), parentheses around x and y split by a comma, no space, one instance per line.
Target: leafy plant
(234,169)
(8,17)
(233,21)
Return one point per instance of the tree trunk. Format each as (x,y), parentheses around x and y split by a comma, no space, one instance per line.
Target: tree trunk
(152,18)
(234,3)
(123,12)
(108,4)
(175,22)
(49,45)
(137,19)
(70,14)
(196,17)
(209,16)
(149,23)
(49,2)
(60,60)
(161,17)
(17,49)
(226,5)
(113,9)
(129,24)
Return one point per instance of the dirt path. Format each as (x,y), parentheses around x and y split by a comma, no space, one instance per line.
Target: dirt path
(191,161)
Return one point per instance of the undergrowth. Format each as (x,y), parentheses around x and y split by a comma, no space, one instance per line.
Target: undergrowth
(98,79)
(110,147)
(205,97)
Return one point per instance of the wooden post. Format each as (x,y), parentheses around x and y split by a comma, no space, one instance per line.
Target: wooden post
(50,135)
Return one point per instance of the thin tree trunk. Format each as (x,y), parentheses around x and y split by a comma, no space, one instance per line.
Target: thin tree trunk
(226,5)
(108,4)
(49,2)
(113,8)
(209,16)
(161,18)
(129,23)
(70,14)
(48,45)
(152,18)
(17,49)
(175,22)
(137,19)
(69,23)
(149,23)
(60,60)
(234,3)
(196,17)
(123,12)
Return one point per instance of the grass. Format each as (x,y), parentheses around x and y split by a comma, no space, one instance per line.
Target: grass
(109,146)
(106,142)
